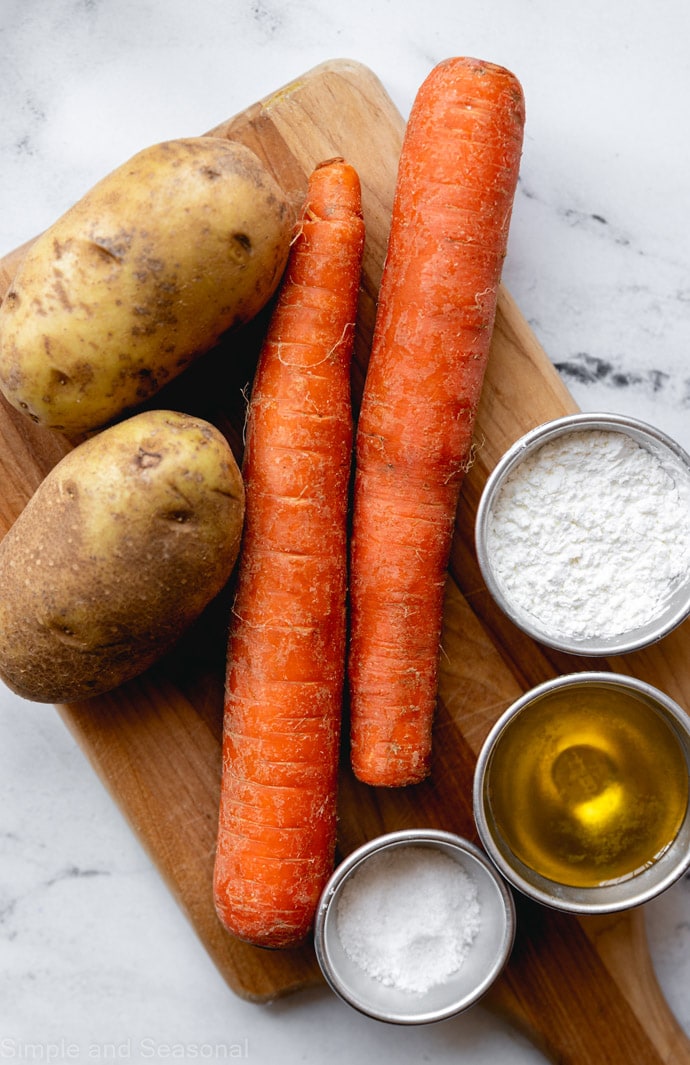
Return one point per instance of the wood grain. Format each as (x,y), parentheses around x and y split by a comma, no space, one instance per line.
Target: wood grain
(583,990)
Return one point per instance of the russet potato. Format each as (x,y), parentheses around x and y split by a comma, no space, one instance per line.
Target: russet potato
(177,246)
(118,551)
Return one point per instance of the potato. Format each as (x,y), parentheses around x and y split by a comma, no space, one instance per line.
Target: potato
(180,244)
(120,548)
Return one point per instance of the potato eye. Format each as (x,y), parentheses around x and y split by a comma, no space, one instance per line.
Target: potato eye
(147,459)
(181,517)
(243,240)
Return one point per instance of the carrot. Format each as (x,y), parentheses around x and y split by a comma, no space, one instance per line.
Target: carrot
(455,188)
(287,641)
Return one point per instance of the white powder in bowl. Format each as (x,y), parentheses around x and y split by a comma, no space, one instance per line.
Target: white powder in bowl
(408,917)
(590,534)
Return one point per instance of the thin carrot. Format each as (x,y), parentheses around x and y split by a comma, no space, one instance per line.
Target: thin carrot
(456,184)
(287,643)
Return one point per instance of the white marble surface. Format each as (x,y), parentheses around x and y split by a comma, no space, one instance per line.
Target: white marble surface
(95,958)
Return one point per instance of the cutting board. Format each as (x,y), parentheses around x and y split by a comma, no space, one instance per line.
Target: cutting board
(583,989)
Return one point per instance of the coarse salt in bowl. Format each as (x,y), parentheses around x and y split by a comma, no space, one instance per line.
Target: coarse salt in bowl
(414,926)
(583,534)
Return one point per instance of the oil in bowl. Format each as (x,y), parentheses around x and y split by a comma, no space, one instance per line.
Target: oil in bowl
(588,785)
(581,792)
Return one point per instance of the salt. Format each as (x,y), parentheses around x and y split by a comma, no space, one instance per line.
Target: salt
(408,917)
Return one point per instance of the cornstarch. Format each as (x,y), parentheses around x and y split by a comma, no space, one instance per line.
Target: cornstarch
(590,534)
(408,917)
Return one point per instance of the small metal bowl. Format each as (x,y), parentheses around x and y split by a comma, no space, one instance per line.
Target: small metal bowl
(485,959)
(672,457)
(492,773)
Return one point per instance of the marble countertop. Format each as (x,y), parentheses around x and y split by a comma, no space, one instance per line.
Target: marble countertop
(96,960)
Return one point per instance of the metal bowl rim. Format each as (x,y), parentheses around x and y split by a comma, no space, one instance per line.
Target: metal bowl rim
(511,458)
(552,900)
(399,837)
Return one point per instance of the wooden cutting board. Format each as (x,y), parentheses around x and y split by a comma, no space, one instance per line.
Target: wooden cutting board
(583,989)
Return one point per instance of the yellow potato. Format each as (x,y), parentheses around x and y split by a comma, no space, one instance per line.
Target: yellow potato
(180,244)
(120,548)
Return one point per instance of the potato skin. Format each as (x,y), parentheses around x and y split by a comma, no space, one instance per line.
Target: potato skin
(120,548)
(166,253)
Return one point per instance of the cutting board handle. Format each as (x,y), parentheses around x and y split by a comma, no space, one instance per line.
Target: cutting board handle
(618,1016)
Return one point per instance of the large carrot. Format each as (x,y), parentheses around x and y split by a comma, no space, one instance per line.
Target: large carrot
(456,184)
(287,643)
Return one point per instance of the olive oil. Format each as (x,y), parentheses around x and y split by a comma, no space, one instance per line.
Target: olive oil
(588,785)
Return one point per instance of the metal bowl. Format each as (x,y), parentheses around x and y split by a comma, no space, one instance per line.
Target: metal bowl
(484,961)
(608,897)
(677,606)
